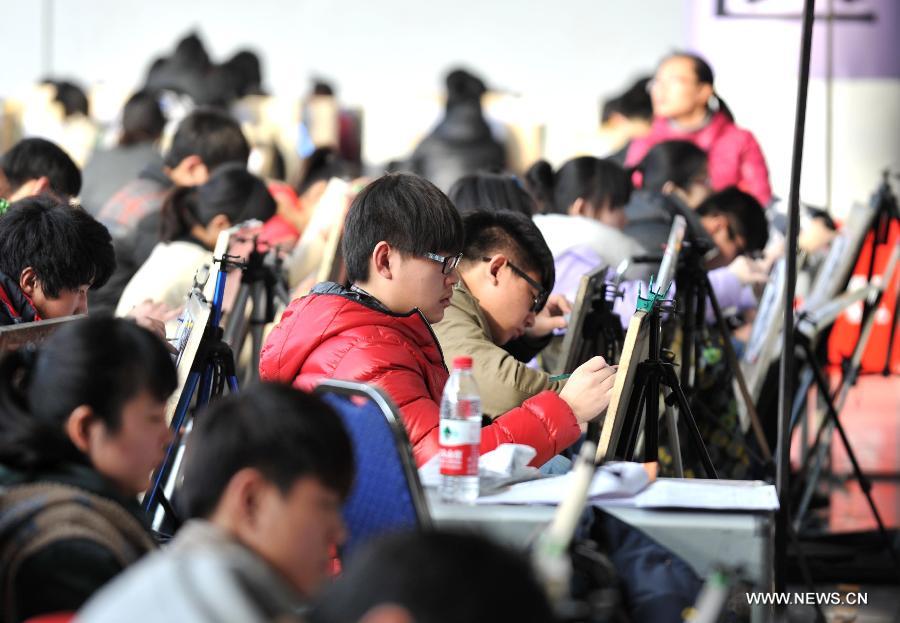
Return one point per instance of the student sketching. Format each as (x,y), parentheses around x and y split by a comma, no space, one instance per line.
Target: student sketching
(402,242)
(35,166)
(191,220)
(205,139)
(51,254)
(83,426)
(266,472)
(506,274)
(585,216)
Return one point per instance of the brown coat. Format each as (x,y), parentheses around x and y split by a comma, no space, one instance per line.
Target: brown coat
(503,381)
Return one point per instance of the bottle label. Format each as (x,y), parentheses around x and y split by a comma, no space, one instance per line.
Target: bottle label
(460,441)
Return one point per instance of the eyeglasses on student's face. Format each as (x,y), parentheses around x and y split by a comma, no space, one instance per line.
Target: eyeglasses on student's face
(448,262)
(540,299)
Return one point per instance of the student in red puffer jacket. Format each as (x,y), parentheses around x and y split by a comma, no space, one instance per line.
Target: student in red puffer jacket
(401,245)
(687,108)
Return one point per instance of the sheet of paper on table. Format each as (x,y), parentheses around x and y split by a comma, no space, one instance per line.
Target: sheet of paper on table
(615,480)
(626,484)
(695,493)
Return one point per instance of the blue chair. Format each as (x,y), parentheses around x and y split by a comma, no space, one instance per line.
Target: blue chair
(387,495)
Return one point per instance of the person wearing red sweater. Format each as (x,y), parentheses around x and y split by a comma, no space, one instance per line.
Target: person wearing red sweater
(687,108)
(401,245)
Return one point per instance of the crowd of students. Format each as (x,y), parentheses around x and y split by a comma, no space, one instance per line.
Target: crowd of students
(487,270)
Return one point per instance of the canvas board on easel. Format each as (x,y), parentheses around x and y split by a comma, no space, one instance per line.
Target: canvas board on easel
(635,350)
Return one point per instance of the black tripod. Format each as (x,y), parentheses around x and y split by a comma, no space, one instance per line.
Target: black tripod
(652,373)
(602,330)
(832,420)
(695,289)
(885,212)
(210,371)
(261,284)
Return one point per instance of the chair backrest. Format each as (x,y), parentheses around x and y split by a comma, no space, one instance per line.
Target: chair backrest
(387,495)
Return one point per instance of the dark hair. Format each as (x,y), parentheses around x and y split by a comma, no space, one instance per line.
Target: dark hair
(513,233)
(493,582)
(70,95)
(539,183)
(34,158)
(66,246)
(679,162)
(247,72)
(404,210)
(322,87)
(284,433)
(191,53)
(210,134)
(745,215)
(601,182)
(323,164)
(231,190)
(704,73)
(490,192)
(142,119)
(634,103)
(100,362)
(463,87)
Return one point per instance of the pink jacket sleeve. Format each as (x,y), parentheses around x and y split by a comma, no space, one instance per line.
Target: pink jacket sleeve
(754,174)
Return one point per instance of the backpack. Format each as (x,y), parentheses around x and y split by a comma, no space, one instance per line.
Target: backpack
(35,516)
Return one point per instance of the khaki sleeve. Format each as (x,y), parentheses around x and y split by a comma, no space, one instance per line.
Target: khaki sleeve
(503,381)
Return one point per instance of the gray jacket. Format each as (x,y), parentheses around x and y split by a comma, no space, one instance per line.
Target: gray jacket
(204,576)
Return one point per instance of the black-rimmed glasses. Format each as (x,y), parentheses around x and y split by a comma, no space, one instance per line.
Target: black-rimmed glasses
(540,299)
(447,262)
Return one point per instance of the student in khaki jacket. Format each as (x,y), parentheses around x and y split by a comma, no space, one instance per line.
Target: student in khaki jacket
(506,275)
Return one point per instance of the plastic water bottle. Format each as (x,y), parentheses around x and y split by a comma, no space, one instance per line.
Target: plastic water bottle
(460,434)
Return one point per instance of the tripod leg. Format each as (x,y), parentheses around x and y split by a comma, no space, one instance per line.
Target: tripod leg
(674,442)
(257,328)
(735,366)
(798,412)
(233,328)
(891,340)
(624,446)
(821,450)
(688,417)
(864,483)
(804,570)
(162,472)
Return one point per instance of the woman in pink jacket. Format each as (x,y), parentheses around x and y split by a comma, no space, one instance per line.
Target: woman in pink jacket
(686,107)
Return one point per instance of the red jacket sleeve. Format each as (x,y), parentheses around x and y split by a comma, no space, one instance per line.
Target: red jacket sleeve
(544,422)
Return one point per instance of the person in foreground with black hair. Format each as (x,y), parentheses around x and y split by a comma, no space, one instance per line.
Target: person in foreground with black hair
(265,474)
(51,254)
(398,579)
(34,166)
(401,245)
(506,274)
(83,427)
